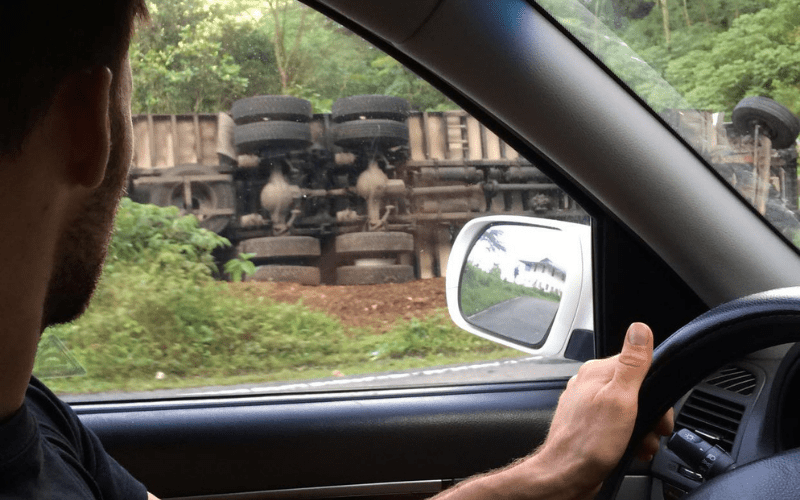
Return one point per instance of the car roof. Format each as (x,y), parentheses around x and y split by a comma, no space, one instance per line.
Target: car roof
(507,60)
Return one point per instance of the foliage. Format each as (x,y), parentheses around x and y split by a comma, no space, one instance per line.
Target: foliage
(158,312)
(202,55)
(158,239)
(178,62)
(722,51)
(480,290)
(432,336)
(758,55)
(714,52)
(240,266)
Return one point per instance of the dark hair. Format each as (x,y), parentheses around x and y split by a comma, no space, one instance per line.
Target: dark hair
(43,42)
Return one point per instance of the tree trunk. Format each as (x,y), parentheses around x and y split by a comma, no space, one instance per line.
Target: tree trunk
(665,17)
(686,14)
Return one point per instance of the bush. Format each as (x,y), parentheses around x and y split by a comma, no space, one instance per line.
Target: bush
(160,239)
(158,313)
(481,290)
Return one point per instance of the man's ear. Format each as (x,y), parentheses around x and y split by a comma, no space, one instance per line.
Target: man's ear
(82,104)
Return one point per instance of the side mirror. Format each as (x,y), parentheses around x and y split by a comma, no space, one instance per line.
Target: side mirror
(525,283)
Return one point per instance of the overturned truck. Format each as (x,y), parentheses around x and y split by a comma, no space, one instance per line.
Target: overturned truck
(369,193)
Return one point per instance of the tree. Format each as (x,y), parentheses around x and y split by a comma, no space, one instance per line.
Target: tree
(758,55)
(178,62)
(202,55)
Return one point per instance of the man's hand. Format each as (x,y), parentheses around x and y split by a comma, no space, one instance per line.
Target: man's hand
(590,430)
(595,415)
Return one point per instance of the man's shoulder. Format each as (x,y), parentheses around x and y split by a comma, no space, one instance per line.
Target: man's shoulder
(52,414)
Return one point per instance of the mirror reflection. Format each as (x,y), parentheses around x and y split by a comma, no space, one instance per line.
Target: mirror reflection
(513,281)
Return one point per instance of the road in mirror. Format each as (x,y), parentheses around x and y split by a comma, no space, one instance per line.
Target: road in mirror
(513,281)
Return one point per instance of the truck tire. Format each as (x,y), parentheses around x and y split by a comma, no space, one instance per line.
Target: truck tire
(303,275)
(254,138)
(271,107)
(371,134)
(374,243)
(776,121)
(281,246)
(216,195)
(374,275)
(359,107)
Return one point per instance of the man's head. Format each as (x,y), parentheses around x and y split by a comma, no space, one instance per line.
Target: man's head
(65,60)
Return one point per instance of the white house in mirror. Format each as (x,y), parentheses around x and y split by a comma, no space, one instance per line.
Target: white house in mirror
(543,275)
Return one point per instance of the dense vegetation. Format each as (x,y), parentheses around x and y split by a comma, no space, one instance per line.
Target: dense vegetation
(201,55)
(159,320)
(481,290)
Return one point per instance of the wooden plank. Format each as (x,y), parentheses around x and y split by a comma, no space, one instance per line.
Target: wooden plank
(141,144)
(198,140)
(424,251)
(436,137)
(443,248)
(474,141)
(208,128)
(416,139)
(491,145)
(510,153)
(174,151)
(151,134)
(762,159)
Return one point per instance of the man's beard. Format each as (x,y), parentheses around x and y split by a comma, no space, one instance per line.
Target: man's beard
(82,248)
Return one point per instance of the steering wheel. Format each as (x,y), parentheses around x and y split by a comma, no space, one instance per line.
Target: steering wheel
(708,342)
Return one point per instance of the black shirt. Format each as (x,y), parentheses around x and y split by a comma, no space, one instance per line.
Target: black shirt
(45,452)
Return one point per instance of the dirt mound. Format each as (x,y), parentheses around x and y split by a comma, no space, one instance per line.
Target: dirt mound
(376,306)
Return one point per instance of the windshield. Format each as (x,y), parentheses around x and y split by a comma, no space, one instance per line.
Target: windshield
(723,74)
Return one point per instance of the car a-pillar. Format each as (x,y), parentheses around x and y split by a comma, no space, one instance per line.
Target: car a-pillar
(377,249)
(271,128)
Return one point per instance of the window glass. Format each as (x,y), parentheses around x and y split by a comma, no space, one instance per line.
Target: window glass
(293,200)
(723,74)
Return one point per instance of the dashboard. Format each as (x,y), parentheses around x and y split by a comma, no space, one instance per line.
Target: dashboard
(748,408)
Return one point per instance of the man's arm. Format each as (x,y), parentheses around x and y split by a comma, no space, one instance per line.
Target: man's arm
(590,430)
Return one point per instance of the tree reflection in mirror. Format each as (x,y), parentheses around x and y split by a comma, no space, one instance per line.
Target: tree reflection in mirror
(513,281)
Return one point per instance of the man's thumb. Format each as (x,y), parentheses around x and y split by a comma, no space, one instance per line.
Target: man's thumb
(636,356)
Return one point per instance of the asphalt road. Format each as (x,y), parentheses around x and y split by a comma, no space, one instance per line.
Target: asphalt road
(517,369)
(523,318)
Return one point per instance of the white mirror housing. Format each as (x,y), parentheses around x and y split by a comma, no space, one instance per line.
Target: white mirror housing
(545,269)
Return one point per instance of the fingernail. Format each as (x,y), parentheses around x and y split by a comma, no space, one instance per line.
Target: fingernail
(637,335)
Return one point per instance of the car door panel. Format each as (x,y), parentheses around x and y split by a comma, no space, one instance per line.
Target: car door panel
(190,448)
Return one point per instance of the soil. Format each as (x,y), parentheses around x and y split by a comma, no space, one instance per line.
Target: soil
(373,306)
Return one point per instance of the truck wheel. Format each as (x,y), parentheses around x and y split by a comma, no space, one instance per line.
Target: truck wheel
(281,246)
(303,275)
(374,243)
(206,196)
(359,107)
(256,137)
(776,121)
(271,107)
(374,275)
(371,134)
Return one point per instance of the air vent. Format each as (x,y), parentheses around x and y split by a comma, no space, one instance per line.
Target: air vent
(734,379)
(711,416)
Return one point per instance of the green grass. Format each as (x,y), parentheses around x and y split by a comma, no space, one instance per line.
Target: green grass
(199,333)
(481,290)
(159,320)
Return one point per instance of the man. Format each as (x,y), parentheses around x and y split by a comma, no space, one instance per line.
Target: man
(65,147)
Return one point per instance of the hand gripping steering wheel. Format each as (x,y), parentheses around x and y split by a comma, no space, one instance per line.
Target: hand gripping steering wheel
(708,342)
